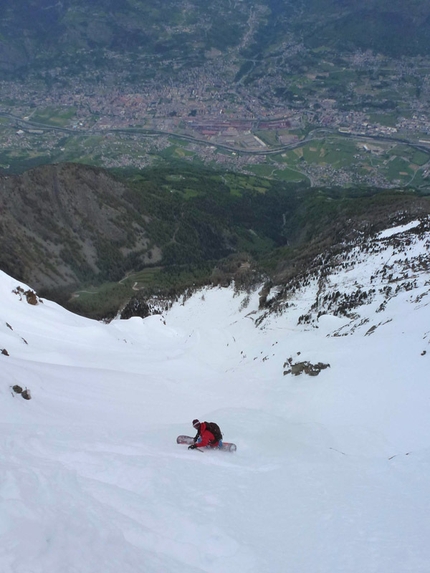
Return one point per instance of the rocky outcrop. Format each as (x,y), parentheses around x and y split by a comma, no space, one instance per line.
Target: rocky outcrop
(25,393)
(305,367)
(30,296)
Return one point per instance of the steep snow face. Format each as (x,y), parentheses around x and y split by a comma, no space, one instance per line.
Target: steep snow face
(331,471)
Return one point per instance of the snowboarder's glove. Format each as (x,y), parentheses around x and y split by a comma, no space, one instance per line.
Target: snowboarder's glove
(192,447)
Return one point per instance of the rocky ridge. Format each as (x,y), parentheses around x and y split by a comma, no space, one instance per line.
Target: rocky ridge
(357,282)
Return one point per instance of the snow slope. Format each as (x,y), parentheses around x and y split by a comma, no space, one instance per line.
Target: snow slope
(331,471)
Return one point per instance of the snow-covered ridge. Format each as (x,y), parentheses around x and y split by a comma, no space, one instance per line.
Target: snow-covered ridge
(359,279)
(331,471)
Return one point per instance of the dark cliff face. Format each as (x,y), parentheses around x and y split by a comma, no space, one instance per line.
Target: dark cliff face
(62,224)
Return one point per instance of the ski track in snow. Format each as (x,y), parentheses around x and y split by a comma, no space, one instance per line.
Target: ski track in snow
(331,472)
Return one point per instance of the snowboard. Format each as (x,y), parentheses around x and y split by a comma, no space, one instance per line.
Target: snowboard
(226,446)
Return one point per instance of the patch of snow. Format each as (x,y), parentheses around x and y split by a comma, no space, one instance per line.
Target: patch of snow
(398,229)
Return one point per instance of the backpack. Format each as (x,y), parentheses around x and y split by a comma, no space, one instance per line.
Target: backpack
(214,429)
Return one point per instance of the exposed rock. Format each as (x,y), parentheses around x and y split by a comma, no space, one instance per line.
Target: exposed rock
(31,297)
(371,330)
(263,294)
(5,352)
(29,294)
(305,367)
(26,394)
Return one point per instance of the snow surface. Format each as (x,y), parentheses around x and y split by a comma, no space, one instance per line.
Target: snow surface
(331,474)
(398,229)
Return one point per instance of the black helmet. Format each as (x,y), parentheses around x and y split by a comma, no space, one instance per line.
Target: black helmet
(196,424)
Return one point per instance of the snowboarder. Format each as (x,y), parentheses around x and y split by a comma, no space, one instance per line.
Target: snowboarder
(208,434)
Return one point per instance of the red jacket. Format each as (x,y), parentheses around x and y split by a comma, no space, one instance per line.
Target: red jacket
(207,438)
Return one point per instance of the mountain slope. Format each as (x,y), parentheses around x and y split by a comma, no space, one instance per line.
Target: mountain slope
(64,223)
(331,470)
(65,227)
(391,28)
(69,225)
(140,41)
(39,35)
